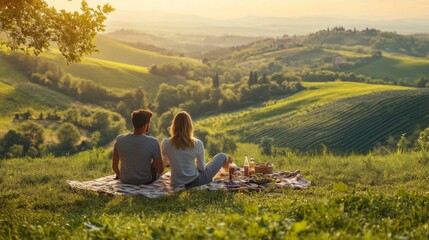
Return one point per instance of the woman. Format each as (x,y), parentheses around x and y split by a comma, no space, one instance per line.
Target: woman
(181,150)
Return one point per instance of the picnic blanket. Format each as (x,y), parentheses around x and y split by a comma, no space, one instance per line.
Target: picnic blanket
(162,186)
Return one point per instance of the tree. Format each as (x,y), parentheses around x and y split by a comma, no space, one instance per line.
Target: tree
(12,137)
(31,26)
(422,82)
(68,135)
(15,151)
(424,140)
(32,152)
(215,81)
(255,77)
(101,121)
(164,121)
(264,79)
(33,134)
(214,146)
(250,81)
(167,97)
(266,145)
(229,145)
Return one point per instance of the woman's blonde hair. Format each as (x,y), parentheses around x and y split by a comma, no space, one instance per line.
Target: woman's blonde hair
(182,131)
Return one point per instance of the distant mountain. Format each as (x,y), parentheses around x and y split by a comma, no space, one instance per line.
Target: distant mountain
(193,45)
(251,25)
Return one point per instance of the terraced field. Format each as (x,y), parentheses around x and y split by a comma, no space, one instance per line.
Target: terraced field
(346,117)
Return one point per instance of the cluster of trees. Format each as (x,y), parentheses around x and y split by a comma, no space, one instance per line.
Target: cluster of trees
(388,41)
(422,82)
(26,141)
(199,98)
(104,125)
(184,70)
(216,142)
(410,45)
(320,76)
(29,139)
(329,76)
(253,79)
(354,62)
(30,115)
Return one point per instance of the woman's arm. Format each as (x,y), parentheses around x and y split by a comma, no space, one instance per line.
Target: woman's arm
(200,156)
(165,160)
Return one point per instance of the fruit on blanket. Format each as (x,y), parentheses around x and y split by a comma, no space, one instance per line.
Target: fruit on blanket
(259,178)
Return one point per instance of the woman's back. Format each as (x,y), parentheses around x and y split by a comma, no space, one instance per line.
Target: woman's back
(182,161)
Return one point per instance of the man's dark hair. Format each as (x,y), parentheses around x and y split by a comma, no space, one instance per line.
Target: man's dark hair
(140,118)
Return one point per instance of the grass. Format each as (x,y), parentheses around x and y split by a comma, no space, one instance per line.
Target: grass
(352,197)
(18,94)
(117,76)
(396,67)
(344,116)
(118,52)
(120,67)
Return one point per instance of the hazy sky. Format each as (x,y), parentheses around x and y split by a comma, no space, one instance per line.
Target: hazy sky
(221,9)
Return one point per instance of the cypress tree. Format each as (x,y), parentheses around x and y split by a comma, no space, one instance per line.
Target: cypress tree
(250,81)
(255,77)
(215,81)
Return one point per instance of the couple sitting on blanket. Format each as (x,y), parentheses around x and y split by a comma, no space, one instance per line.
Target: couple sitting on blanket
(142,159)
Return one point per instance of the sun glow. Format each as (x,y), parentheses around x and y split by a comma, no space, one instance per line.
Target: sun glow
(222,9)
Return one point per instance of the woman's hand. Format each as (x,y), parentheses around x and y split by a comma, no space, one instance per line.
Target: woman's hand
(227,162)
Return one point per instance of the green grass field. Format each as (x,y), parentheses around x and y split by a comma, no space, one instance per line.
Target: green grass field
(119,75)
(345,117)
(112,50)
(396,67)
(351,197)
(17,93)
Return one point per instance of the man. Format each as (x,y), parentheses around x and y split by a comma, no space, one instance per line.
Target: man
(139,154)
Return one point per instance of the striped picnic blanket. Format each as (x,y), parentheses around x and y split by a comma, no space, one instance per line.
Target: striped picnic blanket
(162,186)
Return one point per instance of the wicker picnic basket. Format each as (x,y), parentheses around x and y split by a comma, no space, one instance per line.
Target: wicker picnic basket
(264,168)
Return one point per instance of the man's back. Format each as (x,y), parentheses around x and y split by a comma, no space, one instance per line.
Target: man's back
(136,153)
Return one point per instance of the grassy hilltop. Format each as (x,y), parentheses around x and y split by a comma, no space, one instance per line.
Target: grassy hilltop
(351,197)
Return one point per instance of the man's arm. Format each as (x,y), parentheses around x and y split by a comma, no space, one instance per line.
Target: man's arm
(157,159)
(158,165)
(115,162)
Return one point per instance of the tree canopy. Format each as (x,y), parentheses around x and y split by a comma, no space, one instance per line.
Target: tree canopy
(32,26)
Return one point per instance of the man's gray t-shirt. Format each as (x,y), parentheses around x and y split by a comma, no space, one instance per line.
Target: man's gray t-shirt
(136,153)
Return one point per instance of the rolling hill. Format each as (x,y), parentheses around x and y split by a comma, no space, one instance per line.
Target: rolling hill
(112,50)
(396,67)
(345,117)
(17,93)
(121,67)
